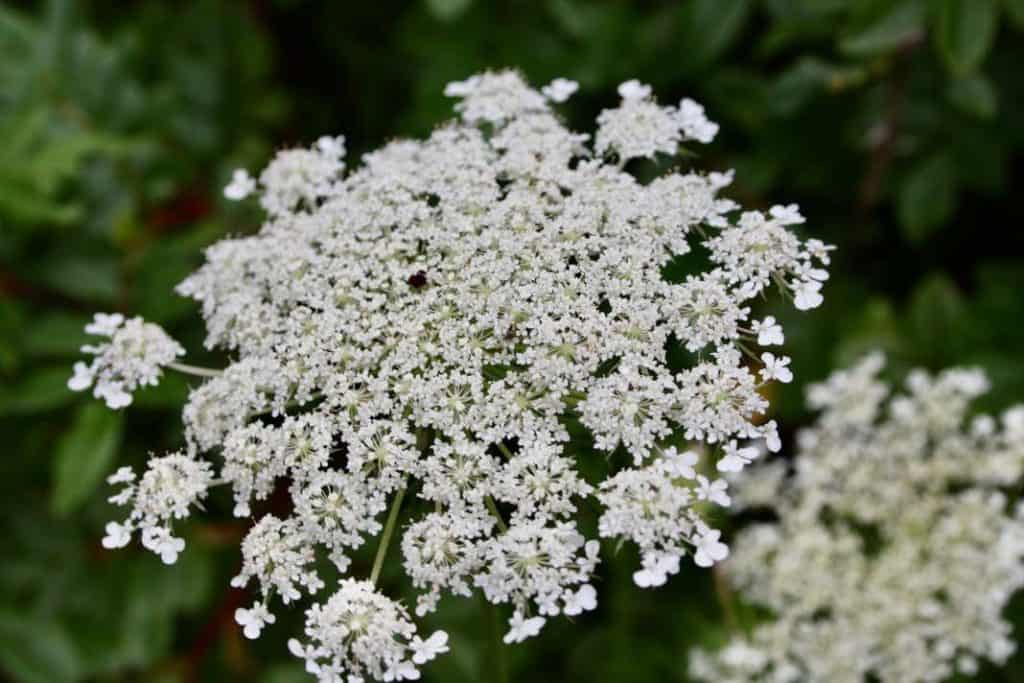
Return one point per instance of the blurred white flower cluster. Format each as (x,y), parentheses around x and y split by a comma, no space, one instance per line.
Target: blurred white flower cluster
(895,548)
(431,321)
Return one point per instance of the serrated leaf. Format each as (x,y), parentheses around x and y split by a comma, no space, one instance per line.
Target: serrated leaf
(84,455)
(927,197)
(964,32)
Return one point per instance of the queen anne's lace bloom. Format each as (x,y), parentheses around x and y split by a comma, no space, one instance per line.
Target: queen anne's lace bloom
(133,356)
(436,318)
(358,632)
(895,549)
(170,486)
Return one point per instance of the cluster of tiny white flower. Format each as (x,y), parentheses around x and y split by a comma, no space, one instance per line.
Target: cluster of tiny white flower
(133,357)
(895,549)
(169,487)
(432,320)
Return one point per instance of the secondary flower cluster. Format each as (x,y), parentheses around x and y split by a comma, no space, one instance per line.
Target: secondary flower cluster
(431,321)
(133,357)
(895,549)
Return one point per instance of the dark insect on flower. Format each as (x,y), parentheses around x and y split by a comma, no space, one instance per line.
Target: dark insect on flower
(417,279)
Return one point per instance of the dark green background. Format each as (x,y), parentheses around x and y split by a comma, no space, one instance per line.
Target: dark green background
(897,125)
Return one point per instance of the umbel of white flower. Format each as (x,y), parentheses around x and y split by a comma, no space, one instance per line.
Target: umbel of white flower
(895,547)
(429,322)
(132,355)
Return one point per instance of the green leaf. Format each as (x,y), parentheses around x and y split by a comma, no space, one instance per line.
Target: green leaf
(1015,9)
(43,390)
(885,31)
(11,325)
(84,455)
(56,334)
(163,265)
(927,197)
(33,649)
(83,277)
(448,10)
(964,32)
(937,308)
(798,84)
(974,95)
(708,28)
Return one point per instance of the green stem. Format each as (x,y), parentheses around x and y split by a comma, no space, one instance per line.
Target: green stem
(725,597)
(504,449)
(385,538)
(195,370)
(493,507)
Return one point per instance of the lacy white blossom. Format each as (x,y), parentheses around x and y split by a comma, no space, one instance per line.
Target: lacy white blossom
(132,356)
(895,549)
(436,319)
(169,487)
(654,508)
(360,633)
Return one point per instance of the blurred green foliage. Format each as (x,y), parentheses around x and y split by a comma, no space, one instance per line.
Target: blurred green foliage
(898,125)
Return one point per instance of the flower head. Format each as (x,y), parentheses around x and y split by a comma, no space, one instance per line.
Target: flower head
(445,318)
(890,523)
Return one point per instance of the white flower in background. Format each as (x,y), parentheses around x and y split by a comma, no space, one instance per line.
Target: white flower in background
(695,124)
(634,90)
(560,89)
(894,550)
(431,321)
(241,186)
(331,146)
(132,356)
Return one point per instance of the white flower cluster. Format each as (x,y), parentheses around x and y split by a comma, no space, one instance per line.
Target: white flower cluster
(132,357)
(431,321)
(895,549)
(640,127)
(358,632)
(170,486)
